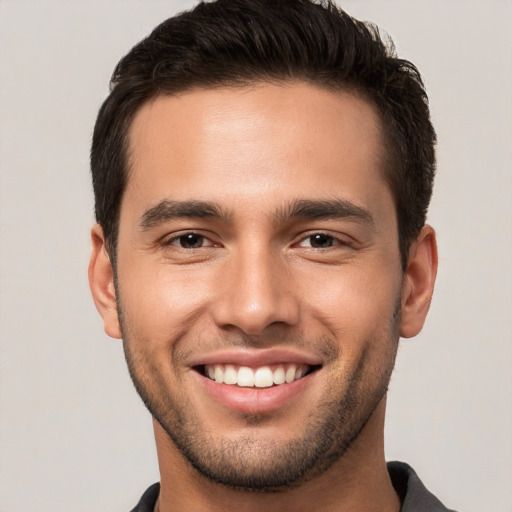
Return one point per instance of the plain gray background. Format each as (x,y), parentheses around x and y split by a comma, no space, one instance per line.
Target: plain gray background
(74,436)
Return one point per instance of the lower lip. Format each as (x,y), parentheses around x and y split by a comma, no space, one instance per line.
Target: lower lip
(254,400)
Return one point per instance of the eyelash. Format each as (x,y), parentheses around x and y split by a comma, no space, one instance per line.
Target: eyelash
(173,241)
(331,239)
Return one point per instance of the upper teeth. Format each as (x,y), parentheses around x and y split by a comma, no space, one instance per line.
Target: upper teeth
(261,377)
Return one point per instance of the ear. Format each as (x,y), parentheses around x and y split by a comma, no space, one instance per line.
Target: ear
(101,282)
(419,280)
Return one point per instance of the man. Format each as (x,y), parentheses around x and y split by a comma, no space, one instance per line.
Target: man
(262,171)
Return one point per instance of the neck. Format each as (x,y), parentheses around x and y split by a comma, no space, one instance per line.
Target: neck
(357,481)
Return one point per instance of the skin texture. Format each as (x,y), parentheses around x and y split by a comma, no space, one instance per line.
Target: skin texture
(258,279)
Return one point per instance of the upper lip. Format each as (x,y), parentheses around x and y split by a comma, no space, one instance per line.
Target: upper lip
(256,357)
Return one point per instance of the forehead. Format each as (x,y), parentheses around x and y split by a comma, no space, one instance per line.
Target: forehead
(268,143)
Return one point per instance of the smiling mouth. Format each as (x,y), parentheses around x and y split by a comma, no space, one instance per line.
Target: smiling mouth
(261,377)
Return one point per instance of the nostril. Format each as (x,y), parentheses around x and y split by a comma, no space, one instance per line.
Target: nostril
(254,307)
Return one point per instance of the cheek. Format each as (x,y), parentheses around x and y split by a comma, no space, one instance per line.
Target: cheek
(159,303)
(355,303)
(359,311)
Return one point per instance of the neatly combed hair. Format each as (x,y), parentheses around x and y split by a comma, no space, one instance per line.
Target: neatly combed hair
(243,42)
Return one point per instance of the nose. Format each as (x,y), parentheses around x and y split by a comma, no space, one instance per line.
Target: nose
(255,293)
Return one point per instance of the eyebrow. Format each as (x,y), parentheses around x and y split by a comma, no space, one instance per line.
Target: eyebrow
(310,209)
(167,210)
(324,209)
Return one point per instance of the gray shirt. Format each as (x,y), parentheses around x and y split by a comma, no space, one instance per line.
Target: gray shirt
(412,493)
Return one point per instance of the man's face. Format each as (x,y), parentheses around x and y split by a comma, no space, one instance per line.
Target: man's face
(257,243)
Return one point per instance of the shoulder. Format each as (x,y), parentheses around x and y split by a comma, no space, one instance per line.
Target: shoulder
(413,494)
(148,500)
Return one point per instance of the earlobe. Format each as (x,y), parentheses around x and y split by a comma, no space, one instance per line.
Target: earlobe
(419,280)
(101,282)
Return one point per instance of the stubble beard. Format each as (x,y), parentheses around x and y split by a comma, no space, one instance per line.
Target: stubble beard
(250,463)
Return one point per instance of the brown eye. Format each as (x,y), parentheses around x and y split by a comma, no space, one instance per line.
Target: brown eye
(189,241)
(321,241)
(318,241)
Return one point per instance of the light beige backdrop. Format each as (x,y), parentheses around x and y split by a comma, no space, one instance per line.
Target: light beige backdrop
(73,434)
